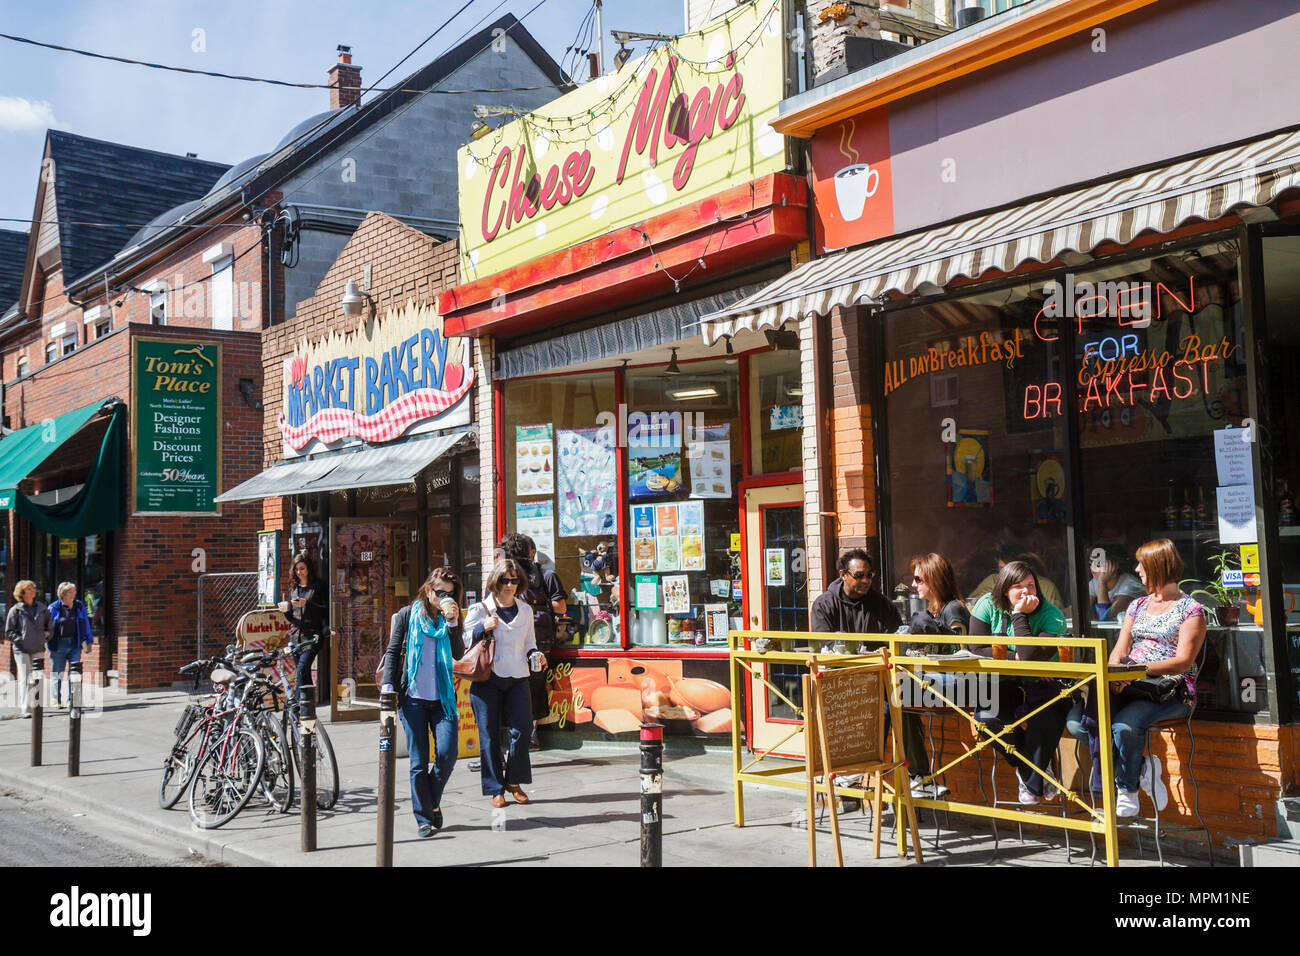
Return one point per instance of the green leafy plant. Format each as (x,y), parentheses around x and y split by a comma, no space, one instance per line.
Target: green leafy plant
(1214,593)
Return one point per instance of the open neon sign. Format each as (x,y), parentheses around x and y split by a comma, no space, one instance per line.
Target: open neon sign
(1129,303)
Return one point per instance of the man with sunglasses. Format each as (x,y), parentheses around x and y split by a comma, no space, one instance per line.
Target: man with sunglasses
(852,605)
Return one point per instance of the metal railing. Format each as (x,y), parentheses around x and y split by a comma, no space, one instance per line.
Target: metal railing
(223,599)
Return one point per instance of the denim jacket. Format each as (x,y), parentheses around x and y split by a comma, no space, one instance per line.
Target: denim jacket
(57,612)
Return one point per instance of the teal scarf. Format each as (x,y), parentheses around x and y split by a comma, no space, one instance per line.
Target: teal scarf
(417,628)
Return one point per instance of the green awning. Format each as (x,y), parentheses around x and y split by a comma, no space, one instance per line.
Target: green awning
(100,504)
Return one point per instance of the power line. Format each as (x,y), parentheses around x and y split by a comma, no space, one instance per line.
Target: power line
(424,41)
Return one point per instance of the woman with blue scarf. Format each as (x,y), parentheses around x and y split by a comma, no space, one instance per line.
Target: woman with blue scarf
(425,639)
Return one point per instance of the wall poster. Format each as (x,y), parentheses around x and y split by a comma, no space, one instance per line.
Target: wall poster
(537,520)
(268,568)
(654,454)
(970,472)
(534,460)
(587,476)
(677,594)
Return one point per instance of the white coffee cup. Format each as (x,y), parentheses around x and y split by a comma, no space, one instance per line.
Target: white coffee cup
(447,604)
(284,607)
(854,185)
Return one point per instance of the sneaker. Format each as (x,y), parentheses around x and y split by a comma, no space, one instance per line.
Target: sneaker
(1153,773)
(1028,798)
(437,820)
(939,790)
(1050,793)
(1126,803)
(475,766)
(919,787)
(427,830)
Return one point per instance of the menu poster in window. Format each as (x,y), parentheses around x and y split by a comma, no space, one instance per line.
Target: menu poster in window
(970,471)
(643,538)
(268,567)
(690,525)
(537,520)
(668,553)
(715,623)
(677,594)
(587,479)
(1237,515)
(774,562)
(654,453)
(666,521)
(710,469)
(1232,456)
(1047,486)
(534,460)
(647,592)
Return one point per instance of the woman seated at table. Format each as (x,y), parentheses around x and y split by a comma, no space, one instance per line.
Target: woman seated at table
(1014,609)
(1111,589)
(1163,630)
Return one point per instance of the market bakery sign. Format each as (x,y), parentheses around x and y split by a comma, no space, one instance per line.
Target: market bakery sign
(683,122)
(391,376)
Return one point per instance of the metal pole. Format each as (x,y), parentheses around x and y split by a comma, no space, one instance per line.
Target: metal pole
(600,41)
(652,794)
(307,724)
(38,673)
(387,763)
(74,719)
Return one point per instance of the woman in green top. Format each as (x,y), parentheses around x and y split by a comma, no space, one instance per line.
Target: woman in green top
(1014,609)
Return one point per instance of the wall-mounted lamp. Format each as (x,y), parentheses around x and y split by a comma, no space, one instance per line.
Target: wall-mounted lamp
(478,129)
(354,300)
(246,388)
(621,55)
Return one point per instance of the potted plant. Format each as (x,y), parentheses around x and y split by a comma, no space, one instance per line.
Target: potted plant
(1214,594)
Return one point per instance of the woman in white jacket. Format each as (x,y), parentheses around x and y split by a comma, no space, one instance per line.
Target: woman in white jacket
(504,696)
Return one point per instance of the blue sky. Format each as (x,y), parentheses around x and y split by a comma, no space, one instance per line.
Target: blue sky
(226,120)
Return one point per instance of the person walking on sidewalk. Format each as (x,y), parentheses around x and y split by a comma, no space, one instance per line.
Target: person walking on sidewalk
(69,635)
(544,593)
(504,698)
(424,640)
(27,625)
(306,609)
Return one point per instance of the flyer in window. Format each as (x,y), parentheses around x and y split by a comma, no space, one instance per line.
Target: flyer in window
(668,553)
(690,518)
(710,469)
(666,521)
(716,625)
(643,538)
(647,592)
(537,520)
(774,561)
(654,453)
(692,550)
(677,594)
(534,460)
(587,478)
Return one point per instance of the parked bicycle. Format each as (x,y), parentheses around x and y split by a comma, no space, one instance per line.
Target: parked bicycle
(281,671)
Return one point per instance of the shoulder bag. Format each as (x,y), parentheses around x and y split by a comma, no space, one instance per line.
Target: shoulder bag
(476,663)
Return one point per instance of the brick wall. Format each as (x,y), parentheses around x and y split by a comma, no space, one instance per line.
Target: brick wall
(486,450)
(815,548)
(851,447)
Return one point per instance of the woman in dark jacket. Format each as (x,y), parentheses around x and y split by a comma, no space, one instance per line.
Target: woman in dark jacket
(69,633)
(425,639)
(307,610)
(27,625)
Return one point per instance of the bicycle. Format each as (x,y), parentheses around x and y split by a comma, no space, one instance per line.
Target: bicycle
(194,732)
(277,783)
(327,771)
(232,769)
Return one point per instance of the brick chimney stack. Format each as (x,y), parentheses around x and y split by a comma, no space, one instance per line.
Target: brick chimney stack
(345,80)
(831,21)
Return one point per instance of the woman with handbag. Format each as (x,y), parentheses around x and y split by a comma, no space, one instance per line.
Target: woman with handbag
(424,642)
(1163,630)
(503,697)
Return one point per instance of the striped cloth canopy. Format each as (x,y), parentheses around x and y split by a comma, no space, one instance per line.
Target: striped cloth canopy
(1118,210)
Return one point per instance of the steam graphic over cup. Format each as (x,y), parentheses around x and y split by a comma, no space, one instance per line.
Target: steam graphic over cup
(854,185)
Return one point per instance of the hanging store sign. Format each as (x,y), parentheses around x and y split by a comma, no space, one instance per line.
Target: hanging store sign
(852,182)
(393,376)
(176,426)
(685,121)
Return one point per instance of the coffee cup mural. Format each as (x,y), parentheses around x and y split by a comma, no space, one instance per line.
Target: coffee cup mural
(854,185)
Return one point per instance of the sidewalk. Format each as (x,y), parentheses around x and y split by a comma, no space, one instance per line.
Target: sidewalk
(585,809)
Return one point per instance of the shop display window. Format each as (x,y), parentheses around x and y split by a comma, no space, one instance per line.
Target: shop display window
(776,411)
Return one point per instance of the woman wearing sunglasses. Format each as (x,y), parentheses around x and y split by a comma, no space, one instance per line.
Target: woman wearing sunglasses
(504,697)
(425,639)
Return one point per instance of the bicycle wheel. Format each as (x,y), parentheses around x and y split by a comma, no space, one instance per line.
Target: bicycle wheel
(327,768)
(226,778)
(277,774)
(178,769)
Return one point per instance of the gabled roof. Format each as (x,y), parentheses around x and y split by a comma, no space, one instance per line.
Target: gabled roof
(101,182)
(13,254)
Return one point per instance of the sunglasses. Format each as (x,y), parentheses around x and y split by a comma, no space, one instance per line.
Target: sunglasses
(442,594)
(861,575)
(510,582)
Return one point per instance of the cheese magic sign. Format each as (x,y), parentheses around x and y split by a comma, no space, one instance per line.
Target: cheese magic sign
(394,375)
(687,120)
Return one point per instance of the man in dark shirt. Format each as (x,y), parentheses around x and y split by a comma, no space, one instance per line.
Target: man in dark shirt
(852,605)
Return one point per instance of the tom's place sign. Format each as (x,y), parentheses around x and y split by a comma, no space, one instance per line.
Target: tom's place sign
(687,120)
(176,425)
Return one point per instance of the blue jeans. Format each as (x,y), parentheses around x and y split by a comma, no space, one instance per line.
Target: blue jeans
(418,717)
(1129,726)
(62,653)
(505,700)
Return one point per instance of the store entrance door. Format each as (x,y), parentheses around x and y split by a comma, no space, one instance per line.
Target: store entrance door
(372,571)
(776,592)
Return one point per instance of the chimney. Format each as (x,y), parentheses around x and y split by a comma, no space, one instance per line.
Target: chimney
(345,80)
(830,23)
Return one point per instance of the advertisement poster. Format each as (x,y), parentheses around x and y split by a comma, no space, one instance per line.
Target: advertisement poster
(587,476)
(782,417)
(654,454)
(647,592)
(970,472)
(690,525)
(668,553)
(268,568)
(1047,486)
(710,469)
(688,697)
(677,594)
(715,623)
(534,460)
(176,426)
(537,520)
(666,521)
(643,538)
(774,562)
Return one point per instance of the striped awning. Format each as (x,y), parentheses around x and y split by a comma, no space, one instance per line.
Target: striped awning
(1159,200)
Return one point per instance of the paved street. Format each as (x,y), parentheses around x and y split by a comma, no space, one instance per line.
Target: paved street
(585,810)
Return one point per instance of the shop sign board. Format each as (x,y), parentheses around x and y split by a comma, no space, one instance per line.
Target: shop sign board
(176,426)
(395,375)
(685,121)
(852,183)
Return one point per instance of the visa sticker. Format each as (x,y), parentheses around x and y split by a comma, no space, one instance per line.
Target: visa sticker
(737,590)
(1234,579)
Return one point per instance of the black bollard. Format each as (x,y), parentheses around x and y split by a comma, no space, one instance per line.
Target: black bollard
(652,794)
(387,764)
(307,723)
(34,689)
(74,719)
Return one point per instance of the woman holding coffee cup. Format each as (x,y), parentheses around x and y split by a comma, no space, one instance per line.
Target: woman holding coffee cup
(424,640)
(504,697)
(306,609)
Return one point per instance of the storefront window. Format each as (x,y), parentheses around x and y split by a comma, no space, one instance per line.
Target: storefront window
(975,473)
(560,464)
(92,583)
(684,466)
(776,411)
(386,500)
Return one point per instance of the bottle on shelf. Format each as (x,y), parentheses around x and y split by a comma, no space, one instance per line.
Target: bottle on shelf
(1189,513)
(1171,512)
(1202,512)
(1286,507)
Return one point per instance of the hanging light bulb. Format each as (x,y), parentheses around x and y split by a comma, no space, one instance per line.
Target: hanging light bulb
(731,357)
(671,368)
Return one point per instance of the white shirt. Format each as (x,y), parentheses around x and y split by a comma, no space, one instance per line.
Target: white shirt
(514,638)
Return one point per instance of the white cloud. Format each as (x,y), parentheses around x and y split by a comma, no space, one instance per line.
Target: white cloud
(22,115)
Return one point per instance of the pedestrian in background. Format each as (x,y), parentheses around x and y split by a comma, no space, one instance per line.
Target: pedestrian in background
(504,699)
(544,593)
(306,609)
(69,635)
(27,625)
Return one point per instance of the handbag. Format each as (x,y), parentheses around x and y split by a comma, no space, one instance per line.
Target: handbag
(475,665)
(1157,690)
